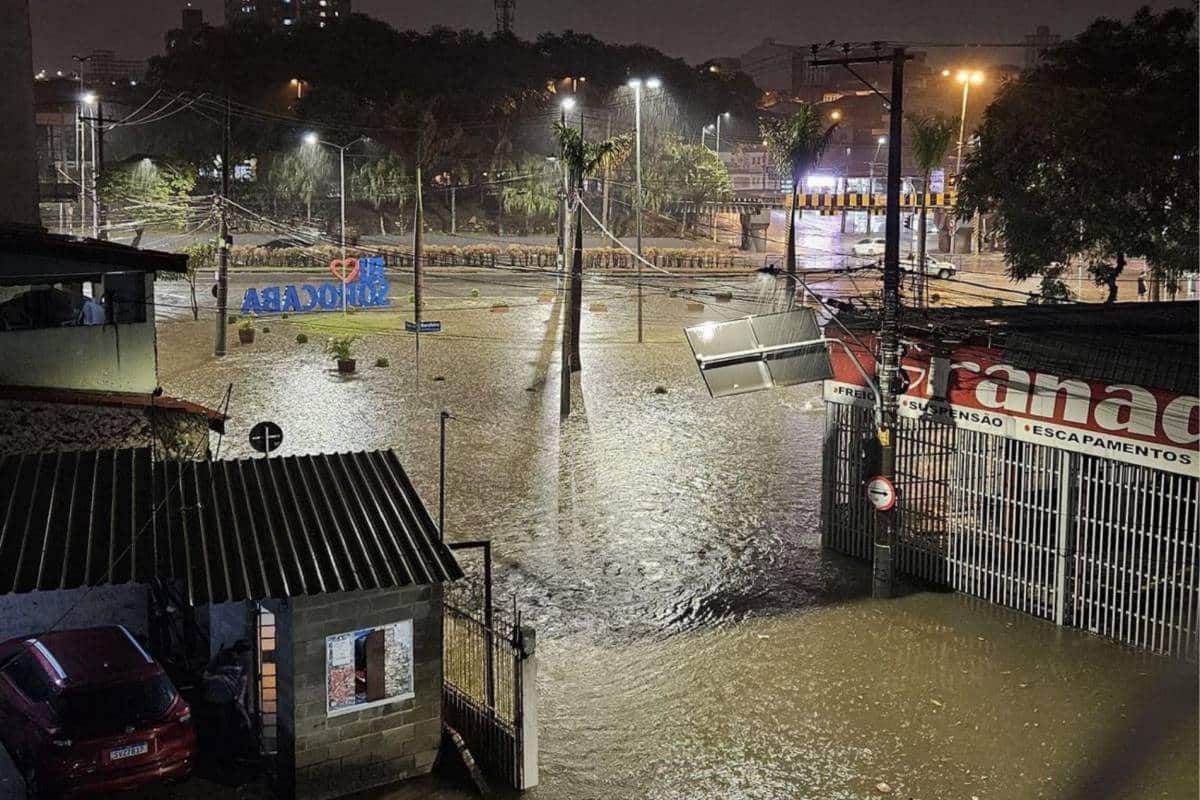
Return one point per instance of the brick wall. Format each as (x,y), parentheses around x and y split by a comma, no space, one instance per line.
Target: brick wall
(30,427)
(335,756)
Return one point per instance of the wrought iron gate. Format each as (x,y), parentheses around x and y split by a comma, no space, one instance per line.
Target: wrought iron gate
(1081,540)
(482,695)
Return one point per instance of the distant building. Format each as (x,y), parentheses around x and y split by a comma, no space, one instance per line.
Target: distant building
(103,68)
(751,172)
(1037,43)
(188,33)
(286,13)
(772,65)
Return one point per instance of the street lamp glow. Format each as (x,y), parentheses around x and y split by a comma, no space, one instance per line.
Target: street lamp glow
(311,138)
(634,83)
(835,115)
(977,78)
(882,141)
(568,103)
(653,83)
(945,73)
(88,98)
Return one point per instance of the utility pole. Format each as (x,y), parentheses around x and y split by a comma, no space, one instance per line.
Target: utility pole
(577,264)
(98,213)
(418,257)
(223,241)
(453,212)
(637,200)
(883,584)
(442,418)
(607,174)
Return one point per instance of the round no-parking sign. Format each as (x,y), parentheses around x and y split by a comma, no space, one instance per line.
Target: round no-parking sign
(882,493)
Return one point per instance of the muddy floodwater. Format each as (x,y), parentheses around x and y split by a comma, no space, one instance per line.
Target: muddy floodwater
(694,639)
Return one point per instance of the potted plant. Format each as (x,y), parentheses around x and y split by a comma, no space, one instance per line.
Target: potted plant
(246,331)
(340,349)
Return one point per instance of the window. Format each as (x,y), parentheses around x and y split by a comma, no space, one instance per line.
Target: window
(369,667)
(30,678)
(99,712)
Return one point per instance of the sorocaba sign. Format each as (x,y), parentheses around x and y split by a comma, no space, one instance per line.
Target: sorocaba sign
(361,284)
(1121,421)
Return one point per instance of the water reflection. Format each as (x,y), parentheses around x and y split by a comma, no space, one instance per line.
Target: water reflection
(695,640)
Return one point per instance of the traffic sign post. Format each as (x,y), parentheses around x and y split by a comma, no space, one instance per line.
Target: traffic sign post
(881,492)
(266,436)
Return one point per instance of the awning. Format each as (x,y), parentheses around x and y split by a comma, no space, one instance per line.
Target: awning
(39,257)
(246,529)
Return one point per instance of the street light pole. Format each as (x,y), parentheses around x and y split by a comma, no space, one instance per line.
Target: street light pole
(871,181)
(966,79)
(637,200)
(312,138)
(636,85)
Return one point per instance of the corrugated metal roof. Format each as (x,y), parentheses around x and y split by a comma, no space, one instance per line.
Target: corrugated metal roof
(225,530)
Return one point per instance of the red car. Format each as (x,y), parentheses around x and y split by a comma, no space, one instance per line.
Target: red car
(89,711)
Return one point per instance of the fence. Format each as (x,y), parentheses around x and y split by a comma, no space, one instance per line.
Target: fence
(483,692)
(1081,540)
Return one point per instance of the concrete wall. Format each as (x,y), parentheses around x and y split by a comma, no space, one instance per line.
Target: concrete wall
(25,614)
(335,756)
(30,427)
(112,358)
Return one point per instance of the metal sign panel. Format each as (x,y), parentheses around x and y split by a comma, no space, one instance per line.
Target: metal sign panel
(760,352)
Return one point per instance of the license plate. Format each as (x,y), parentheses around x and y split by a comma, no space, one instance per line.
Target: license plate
(129,750)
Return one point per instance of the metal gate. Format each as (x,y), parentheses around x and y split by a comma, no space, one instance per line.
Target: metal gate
(482,695)
(1080,540)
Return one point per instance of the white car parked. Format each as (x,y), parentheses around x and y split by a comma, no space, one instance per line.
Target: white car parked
(867,247)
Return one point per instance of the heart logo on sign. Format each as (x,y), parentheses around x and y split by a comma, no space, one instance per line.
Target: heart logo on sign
(345,270)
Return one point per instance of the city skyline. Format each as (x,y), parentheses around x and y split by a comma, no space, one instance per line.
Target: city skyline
(62,28)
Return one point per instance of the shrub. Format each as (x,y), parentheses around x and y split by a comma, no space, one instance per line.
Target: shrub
(266,329)
(301,338)
(382,362)
(246,325)
(474,293)
(283,316)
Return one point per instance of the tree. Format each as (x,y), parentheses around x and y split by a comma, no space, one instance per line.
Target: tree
(384,182)
(687,172)
(1092,156)
(796,142)
(582,159)
(931,138)
(533,194)
(143,192)
(304,173)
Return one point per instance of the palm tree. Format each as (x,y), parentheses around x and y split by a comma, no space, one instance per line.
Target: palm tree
(583,158)
(932,136)
(534,193)
(796,142)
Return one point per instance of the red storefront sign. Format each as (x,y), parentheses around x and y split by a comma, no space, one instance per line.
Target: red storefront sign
(974,389)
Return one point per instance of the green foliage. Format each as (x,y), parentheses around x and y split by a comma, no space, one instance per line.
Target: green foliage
(685,171)
(385,183)
(302,174)
(473,294)
(301,338)
(930,138)
(1091,158)
(246,325)
(535,194)
(146,192)
(797,142)
(584,157)
(341,348)
(382,361)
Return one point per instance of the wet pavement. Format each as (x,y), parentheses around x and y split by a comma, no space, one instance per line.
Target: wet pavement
(694,639)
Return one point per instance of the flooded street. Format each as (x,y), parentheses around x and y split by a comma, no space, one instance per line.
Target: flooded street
(694,640)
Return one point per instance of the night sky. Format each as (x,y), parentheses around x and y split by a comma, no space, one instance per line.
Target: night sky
(692,29)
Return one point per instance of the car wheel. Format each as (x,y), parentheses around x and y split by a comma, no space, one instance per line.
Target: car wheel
(943,273)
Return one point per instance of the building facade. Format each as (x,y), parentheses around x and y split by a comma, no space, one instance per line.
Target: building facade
(286,13)
(1047,461)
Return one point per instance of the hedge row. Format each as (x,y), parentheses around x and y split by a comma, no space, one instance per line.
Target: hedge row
(535,256)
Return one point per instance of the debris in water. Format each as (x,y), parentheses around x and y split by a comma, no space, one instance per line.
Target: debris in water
(660,390)
(439,377)
(883,788)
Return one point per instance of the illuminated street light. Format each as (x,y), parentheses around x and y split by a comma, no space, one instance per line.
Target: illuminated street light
(311,138)
(966,78)
(636,85)
(88,98)
(719,117)
(835,115)
(568,104)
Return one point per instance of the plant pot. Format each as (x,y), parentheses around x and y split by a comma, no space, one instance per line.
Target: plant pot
(346,365)
(246,336)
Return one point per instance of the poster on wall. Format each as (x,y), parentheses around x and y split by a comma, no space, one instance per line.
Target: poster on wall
(368,667)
